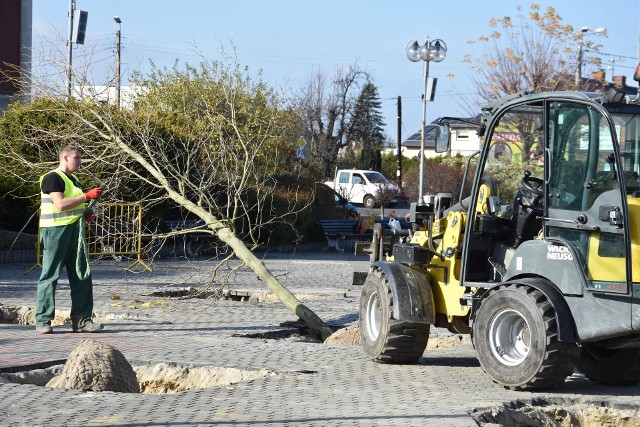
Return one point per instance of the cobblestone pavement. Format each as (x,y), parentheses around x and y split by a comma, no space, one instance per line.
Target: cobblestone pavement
(309,384)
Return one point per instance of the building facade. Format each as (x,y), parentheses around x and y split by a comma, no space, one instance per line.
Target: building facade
(15,50)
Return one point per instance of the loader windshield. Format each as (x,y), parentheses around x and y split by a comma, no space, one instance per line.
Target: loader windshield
(516,145)
(628,131)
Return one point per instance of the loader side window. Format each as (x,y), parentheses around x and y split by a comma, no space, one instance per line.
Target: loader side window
(584,191)
(628,130)
(581,170)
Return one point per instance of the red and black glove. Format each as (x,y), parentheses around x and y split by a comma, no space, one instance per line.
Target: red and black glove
(90,217)
(94,193)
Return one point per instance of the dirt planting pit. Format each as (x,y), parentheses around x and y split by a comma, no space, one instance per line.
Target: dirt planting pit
(296,331)
(166,378)
(559,413)
(27,316)
(228,294)
(161,378)
(350,335)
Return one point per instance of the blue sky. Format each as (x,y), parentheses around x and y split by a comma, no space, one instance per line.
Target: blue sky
(291,40)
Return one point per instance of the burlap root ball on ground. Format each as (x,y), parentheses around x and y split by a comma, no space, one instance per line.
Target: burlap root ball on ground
(96,366)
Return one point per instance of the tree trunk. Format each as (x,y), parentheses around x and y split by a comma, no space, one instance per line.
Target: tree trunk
(316,324)
(226,235)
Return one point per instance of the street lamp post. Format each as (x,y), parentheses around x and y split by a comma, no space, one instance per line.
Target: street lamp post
(585,32)
(118,84)
(72,8)
(435,51)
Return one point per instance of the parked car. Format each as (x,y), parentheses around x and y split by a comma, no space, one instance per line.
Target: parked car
(364,186)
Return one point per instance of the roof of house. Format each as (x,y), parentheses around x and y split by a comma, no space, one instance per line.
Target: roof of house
(430,132)
(597,81)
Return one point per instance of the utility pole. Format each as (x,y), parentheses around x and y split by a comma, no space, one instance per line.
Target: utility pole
(578,73)
(399,174)
(118,81)
(72,7)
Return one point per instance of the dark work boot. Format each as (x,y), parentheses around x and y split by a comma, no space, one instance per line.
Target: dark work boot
(87,325)
(44,329)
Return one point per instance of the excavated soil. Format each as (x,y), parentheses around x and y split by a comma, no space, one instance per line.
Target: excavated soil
(27,316)
(351,336)
(161,378)
(296,331)
(345,336)
(558,413)
(166,378)
(254,297)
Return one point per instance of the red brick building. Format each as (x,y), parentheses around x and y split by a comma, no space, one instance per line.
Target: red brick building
(15,48)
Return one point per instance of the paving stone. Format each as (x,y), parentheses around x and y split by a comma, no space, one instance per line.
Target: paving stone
(311,385)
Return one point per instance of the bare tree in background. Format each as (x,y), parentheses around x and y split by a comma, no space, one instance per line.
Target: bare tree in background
(327,109)
(207,139)
(385,194)
(536,53)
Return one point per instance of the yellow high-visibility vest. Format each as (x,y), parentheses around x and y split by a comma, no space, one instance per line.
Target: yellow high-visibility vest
(50,216)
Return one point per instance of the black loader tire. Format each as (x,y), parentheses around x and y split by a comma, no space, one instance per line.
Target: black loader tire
(388,340)
(515,334)
(619,366)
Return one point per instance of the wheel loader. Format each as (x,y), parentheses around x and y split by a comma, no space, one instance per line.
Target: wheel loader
(542,269)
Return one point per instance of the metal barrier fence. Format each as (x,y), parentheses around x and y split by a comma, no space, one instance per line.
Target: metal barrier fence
(116,232)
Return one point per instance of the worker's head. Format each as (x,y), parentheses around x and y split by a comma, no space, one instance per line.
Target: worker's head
(70,158)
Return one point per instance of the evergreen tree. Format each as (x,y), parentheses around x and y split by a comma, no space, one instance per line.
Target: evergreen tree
(368,125)
(371,158)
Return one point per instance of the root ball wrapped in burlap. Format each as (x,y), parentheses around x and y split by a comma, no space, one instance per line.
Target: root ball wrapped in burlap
(96,366)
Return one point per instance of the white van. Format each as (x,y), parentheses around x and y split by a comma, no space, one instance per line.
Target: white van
(363,186)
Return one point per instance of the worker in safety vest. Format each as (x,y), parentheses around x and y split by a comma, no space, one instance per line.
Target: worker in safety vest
(62,208)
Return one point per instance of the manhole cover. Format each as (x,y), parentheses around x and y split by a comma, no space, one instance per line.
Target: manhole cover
(559,413)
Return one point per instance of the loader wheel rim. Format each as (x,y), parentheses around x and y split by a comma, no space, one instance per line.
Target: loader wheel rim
(374,316)
(509,337)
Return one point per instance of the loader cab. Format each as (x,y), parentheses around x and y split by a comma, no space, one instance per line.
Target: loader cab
(565,206)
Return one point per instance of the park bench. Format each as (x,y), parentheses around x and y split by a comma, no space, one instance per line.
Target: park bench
(339,230)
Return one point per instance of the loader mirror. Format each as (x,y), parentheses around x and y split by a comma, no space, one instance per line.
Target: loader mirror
(443,134)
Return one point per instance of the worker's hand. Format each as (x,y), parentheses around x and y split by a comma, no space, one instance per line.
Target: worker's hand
(94,193)
(90,218)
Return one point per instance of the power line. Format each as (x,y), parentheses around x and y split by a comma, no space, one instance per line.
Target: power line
(609,54)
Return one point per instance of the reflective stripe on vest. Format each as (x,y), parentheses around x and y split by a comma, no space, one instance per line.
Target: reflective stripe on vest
(50,216)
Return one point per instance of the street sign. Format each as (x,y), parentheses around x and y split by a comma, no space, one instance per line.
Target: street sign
(302,150)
